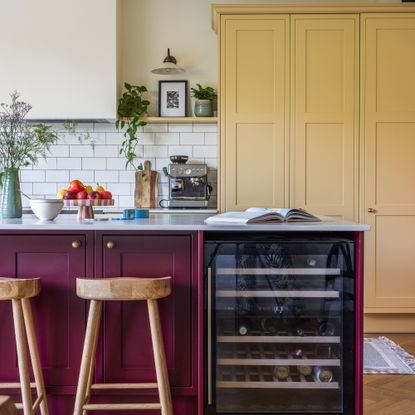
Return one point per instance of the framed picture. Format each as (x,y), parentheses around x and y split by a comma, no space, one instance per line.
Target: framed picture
(172,98)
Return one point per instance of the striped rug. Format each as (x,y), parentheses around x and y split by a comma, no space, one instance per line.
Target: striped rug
(383,356)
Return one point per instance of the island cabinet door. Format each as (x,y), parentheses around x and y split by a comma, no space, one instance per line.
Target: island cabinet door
(58,314)
(127,352)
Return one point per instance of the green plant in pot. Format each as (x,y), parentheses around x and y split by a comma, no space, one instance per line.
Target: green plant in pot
(204,100)
(131,108)
(21,144)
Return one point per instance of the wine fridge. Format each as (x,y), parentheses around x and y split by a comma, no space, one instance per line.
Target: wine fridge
(280,318)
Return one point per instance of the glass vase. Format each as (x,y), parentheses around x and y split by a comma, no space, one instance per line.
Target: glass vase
(11,198)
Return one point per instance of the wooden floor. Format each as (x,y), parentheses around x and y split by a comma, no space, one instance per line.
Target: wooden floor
(391,394)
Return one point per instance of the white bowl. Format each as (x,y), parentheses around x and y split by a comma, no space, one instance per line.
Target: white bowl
(46,209)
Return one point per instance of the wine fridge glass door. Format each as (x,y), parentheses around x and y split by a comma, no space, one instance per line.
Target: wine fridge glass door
(280,322)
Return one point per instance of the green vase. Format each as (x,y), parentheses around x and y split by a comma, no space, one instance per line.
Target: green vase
(11,198)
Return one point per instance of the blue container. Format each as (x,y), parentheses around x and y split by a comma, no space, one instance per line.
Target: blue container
(142,214)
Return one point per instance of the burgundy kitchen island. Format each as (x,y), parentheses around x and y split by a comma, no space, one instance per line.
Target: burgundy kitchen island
(164,245)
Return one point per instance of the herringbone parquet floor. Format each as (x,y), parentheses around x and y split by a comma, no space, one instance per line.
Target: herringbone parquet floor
(391,394)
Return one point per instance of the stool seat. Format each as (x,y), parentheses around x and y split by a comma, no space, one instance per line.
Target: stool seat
(18,288)
(123,288)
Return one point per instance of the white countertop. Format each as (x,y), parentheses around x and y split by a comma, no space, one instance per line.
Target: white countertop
(169,222)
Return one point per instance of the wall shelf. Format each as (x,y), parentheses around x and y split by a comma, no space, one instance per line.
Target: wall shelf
(199,120)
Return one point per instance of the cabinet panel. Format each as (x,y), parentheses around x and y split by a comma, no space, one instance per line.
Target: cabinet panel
(388,111)
(254,108)
(57,311)
(127,342)
(324,113)
(61,55)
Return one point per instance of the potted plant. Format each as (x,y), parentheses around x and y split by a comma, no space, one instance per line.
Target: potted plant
(131,108)
(21,144)
(204,98)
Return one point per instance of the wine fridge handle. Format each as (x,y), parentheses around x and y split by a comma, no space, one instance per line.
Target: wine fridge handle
(209,335)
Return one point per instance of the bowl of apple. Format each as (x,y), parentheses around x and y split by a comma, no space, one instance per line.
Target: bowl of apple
(46,209)
(84,197)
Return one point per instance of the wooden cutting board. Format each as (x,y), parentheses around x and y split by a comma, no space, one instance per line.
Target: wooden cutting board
(146,187)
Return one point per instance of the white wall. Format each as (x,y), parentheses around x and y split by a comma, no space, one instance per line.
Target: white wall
(149,27)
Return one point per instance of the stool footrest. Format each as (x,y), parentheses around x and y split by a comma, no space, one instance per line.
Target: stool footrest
(14,385)
(121,406)
(124,386)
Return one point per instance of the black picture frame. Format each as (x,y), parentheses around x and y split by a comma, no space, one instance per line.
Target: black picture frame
(173,98)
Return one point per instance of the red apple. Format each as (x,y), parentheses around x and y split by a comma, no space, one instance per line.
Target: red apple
(94,195)
(82,195)
(68,195)
(76,186)
(106,194)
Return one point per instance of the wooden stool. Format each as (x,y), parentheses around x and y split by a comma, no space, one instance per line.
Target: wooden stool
(18,291)
(122,289)
(7,406)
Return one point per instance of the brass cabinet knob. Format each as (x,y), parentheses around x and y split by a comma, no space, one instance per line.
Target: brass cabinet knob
(76,244)
(371,210)
(110,244)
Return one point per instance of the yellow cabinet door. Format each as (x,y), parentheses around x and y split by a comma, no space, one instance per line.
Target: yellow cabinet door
(388,126)
(325,110)
(254,87)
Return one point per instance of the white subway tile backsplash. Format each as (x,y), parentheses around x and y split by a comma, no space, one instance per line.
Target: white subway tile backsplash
(211,139)
(106,176)
(92,155)
(47,163)
(32,176)
(204,151)
(85,176)
(94,163)
(115,163)
(68,163)
(180,128)
(59,150)
(126,177)
(205,128)
(155,151)
(156,128)
(44,189)
(192,138)
(167,138)
(114,138)
(122,189)
(84,150)
(126,201)
(105,127)
(106,151)
(56,176)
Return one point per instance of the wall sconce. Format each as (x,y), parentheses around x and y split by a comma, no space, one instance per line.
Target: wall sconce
(169,66)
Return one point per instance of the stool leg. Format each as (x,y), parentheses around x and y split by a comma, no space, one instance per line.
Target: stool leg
(160,358)
(22,356)
(87,354)
(34,355)
(95,336)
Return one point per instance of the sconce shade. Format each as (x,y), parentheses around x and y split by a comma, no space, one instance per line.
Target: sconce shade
(169,66)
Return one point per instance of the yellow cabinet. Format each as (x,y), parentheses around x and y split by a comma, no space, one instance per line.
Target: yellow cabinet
(289,112)
(325,109)
(254,111)
(388,138)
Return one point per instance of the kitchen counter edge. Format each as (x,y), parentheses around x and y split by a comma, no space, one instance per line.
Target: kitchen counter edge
(172,222)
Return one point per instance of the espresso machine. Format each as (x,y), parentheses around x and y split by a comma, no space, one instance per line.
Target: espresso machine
(188,186)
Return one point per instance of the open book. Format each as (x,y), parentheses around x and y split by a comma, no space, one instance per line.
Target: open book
(262,215)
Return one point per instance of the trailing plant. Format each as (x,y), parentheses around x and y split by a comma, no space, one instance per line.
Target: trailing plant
(22,143)
(71,127)
(131,108)
(204,92)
